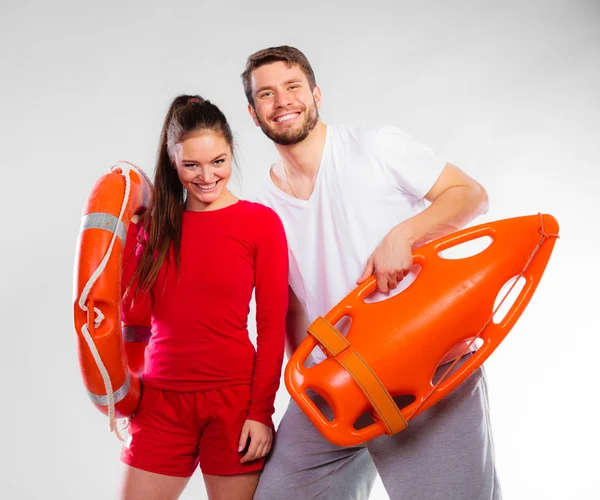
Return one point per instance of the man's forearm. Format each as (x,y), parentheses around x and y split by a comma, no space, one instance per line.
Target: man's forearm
(451,210)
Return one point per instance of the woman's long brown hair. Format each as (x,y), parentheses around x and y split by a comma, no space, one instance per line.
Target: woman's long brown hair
(187,115)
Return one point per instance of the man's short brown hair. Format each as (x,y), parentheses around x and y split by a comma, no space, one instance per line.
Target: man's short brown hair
(290,55)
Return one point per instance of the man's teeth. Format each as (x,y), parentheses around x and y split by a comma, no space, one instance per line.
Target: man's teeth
(287,117)
(206,187)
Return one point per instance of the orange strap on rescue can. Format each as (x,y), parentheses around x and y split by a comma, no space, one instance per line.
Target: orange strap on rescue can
(394,346)
(110,357)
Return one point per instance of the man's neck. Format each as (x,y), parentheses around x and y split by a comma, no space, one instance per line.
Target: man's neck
(303,159)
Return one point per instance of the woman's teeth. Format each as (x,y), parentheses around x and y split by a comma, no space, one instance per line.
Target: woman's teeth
(206,187)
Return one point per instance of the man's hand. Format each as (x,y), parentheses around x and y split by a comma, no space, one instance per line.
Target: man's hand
(390,261)
(261,439)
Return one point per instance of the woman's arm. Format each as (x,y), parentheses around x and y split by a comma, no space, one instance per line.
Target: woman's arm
(271,293)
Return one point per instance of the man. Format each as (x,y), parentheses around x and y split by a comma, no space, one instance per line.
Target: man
(353,203)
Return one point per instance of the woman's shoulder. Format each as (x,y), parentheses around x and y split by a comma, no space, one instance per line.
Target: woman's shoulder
(259,210)
(261,219)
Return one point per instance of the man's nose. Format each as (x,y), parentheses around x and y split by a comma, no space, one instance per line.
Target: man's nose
(282,99)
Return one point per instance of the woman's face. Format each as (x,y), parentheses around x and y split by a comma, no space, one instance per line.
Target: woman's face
(204,168)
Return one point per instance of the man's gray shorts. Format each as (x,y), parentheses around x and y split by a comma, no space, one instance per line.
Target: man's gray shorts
(446,453)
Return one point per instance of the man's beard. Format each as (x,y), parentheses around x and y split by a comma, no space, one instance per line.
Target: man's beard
(289,137)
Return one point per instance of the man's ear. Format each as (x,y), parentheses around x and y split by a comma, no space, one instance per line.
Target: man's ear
(317,97)
(253,114)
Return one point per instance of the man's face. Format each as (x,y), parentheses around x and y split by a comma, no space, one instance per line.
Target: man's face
(284,106)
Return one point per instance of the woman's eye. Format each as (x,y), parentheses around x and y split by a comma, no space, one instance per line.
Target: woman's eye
(189,165)
(219,161)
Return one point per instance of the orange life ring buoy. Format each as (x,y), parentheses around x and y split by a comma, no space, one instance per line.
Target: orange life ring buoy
(393,347)
(111,355)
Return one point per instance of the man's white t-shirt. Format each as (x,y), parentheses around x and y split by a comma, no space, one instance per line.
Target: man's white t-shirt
(369,180)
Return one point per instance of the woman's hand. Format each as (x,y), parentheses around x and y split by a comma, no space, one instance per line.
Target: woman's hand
(261,439)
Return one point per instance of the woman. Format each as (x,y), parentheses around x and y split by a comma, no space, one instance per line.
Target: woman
(208,396)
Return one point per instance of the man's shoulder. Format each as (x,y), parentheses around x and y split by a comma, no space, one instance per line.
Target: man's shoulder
(362,132)
(358,137)
(354,130)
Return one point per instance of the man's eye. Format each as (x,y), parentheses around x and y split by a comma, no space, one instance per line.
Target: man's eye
(292,87)
(266,94)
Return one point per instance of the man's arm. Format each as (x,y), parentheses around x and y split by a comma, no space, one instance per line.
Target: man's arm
(456,199)
(296,322)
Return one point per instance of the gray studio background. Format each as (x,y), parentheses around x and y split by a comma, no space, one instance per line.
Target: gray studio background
(509,91)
